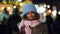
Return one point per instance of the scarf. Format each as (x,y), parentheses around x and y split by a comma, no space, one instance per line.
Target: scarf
(28,24)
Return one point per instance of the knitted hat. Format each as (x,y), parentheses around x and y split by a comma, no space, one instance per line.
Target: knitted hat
(28,8)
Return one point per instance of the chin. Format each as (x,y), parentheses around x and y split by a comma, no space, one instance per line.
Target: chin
(30,19)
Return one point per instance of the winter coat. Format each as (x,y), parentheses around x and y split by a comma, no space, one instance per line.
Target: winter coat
(12,21)
(33,27)
(40,29)
(30,27)
(57,25)
(3,19)
(2,16)
(49,21)
(27,25)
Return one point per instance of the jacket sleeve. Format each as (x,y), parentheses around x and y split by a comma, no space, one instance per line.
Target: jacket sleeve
(20,25)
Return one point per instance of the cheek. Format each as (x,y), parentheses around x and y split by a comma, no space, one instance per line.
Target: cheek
(33,14)
(28,15)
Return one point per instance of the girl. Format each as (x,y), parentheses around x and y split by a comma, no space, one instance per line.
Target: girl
(30,20)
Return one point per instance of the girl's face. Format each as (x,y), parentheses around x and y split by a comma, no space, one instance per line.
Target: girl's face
(30,15)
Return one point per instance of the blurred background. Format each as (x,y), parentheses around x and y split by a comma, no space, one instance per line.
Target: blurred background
(44,8)
(49,6)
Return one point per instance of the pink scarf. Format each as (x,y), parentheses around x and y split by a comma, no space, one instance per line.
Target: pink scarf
(27,24)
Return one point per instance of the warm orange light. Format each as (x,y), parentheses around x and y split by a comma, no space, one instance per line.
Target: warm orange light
(49,11)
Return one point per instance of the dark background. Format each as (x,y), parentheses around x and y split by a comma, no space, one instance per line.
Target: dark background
(50,2)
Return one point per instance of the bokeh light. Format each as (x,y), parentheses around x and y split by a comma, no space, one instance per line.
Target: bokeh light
(14,7)
(48,6)
(44,5)
(59,12)
(9,8)
(49,11)
(41,9)
(2,8)
(44,14)
(36,6)
(21,4)
(54,12)
(19,0)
